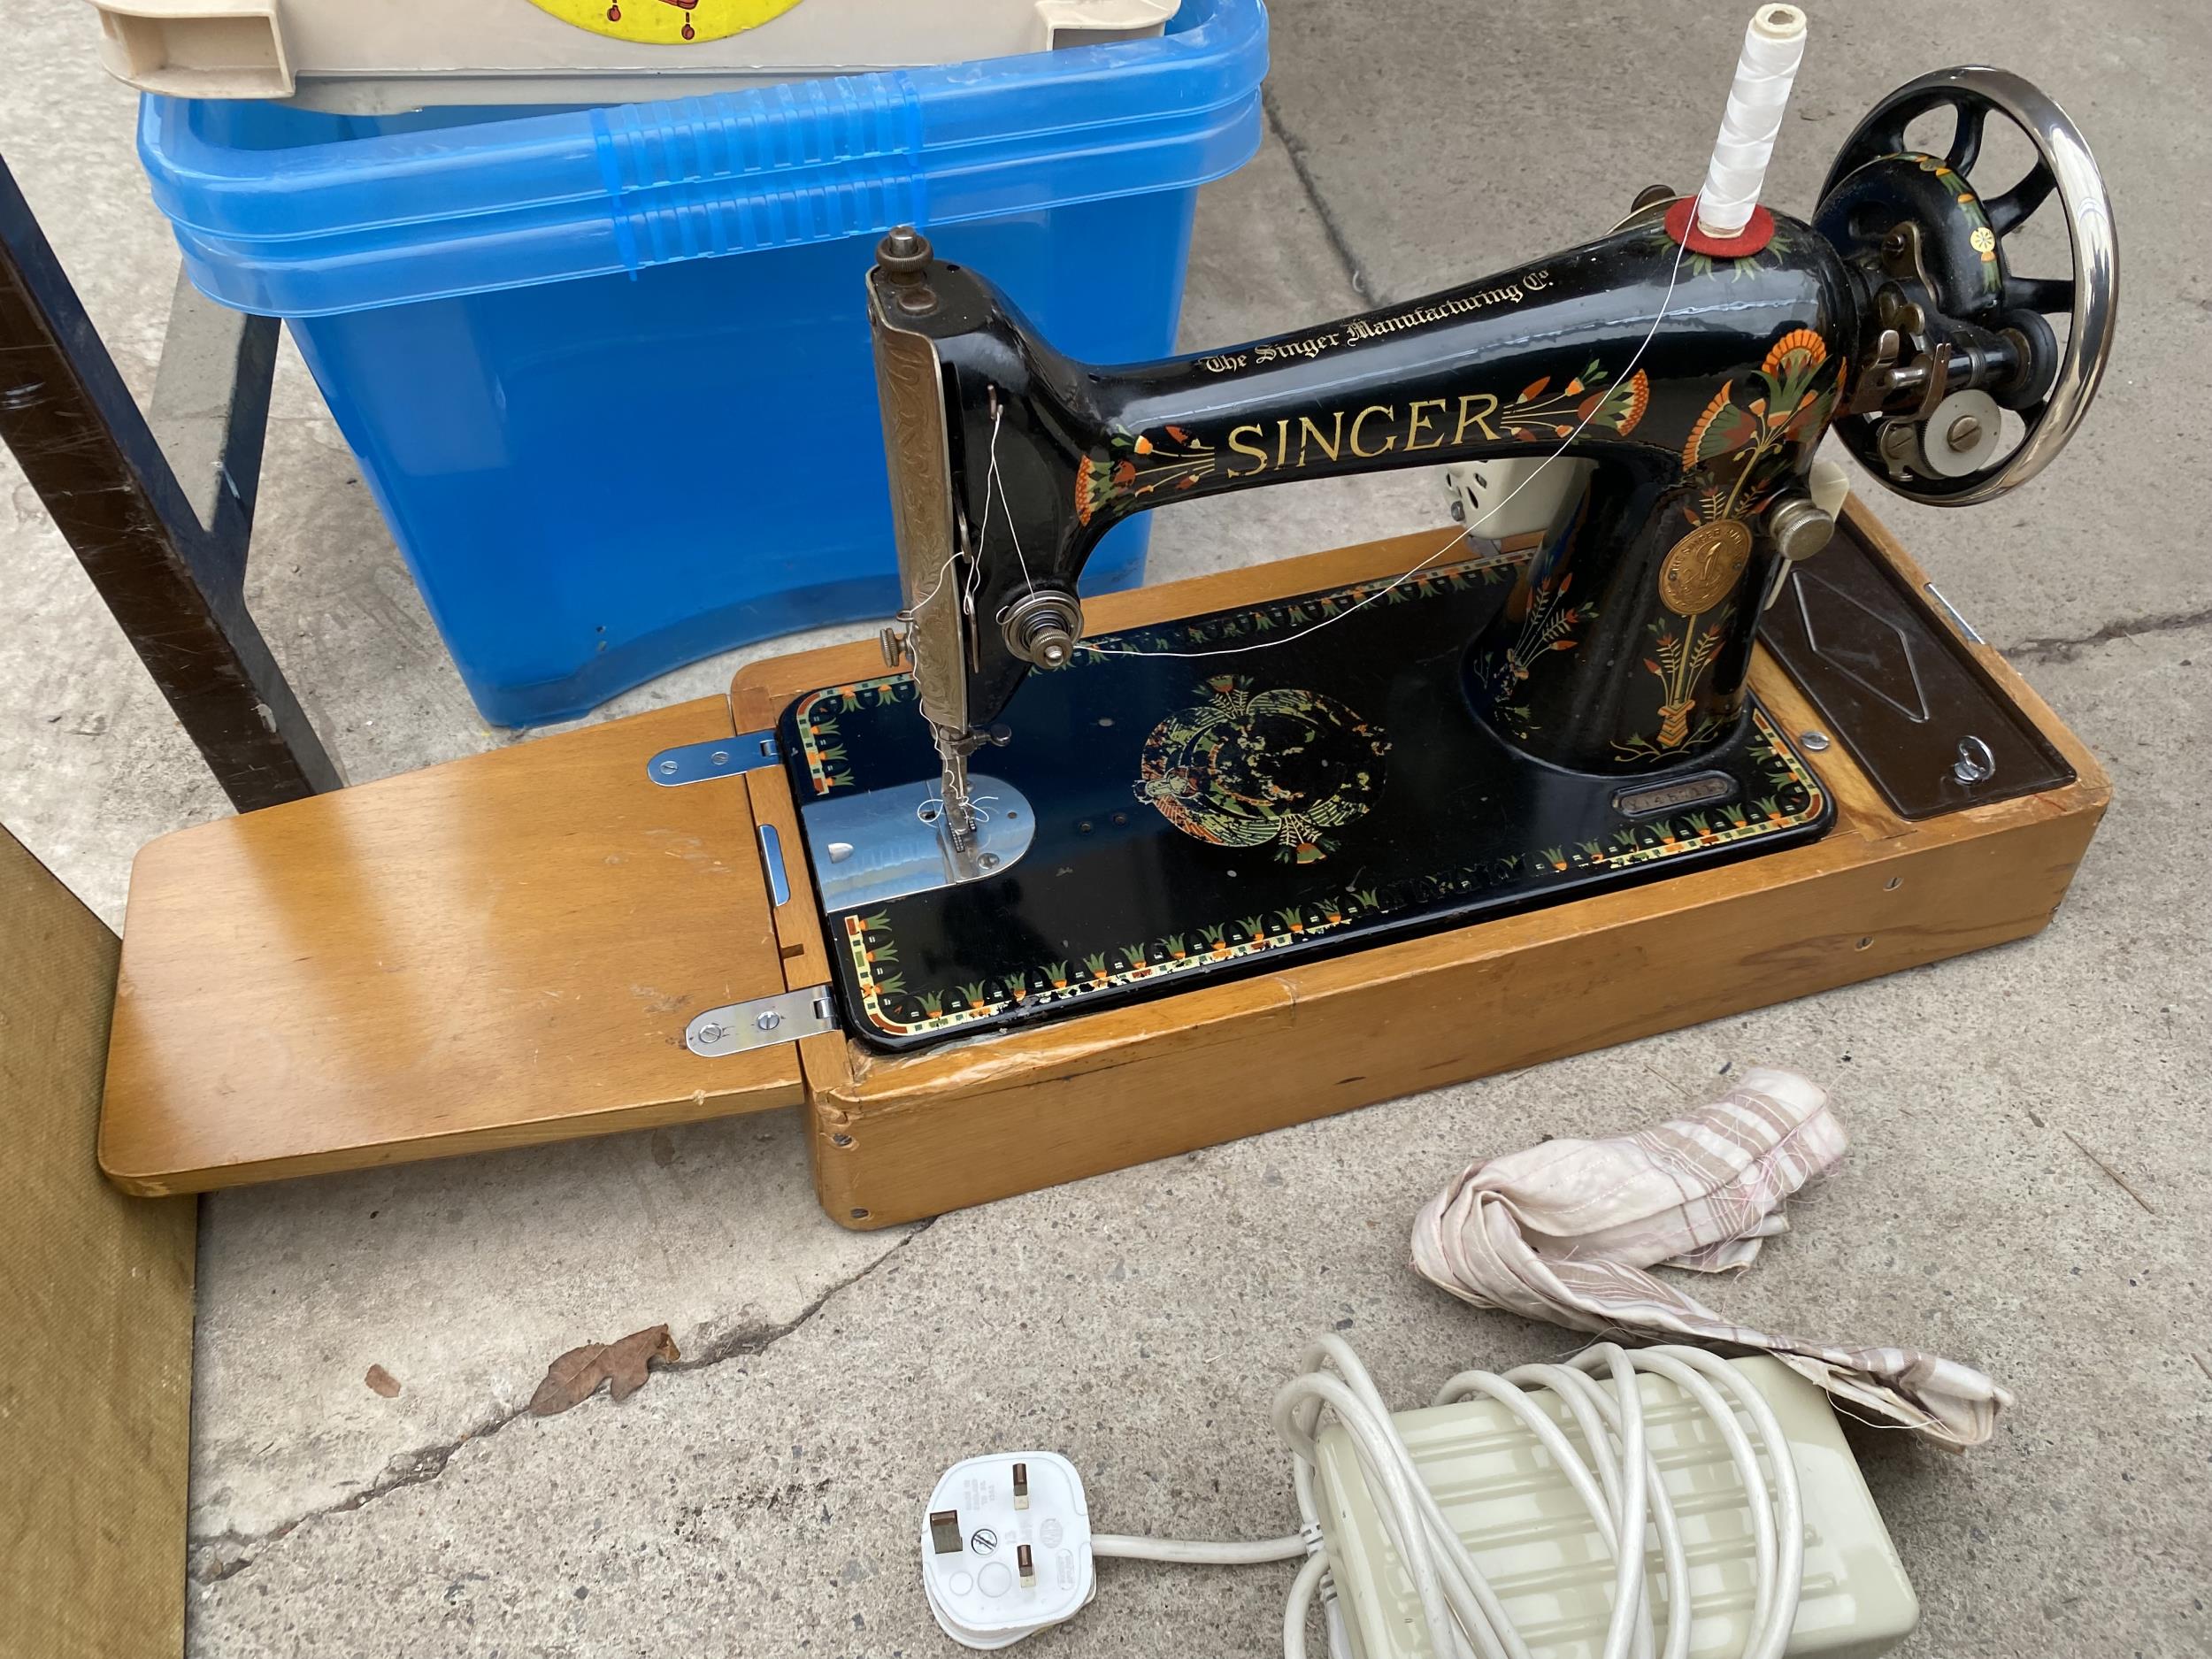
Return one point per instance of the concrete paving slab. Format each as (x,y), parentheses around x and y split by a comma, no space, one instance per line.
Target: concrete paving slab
(463,1280)
(1438,164)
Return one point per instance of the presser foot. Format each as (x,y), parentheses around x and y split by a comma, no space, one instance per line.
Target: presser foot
(872,847)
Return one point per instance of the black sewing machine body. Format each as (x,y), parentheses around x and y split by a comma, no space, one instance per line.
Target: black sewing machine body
(1721,408)
(1324,770)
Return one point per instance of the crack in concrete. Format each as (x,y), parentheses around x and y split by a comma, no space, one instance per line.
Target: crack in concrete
(2065,647)
(1296,149)
(748,1340)
(426,1463)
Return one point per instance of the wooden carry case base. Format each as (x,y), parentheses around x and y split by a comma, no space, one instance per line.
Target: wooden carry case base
(896,1138)
(507,948)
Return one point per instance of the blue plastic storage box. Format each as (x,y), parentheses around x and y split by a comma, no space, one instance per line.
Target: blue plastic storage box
(606,450)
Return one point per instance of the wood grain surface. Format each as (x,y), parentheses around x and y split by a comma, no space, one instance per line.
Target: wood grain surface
(95,1295)
(499,950)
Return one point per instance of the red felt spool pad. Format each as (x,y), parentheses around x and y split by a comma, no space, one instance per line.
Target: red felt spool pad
(1683,228)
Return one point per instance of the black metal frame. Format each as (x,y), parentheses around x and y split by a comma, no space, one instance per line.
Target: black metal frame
(165,544)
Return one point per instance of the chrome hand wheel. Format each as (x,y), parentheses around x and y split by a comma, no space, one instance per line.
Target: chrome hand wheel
(1961,232)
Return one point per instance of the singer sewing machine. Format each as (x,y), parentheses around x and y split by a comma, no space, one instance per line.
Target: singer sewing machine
(1054,884)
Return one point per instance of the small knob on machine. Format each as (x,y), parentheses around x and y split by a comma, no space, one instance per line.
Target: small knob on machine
(904,252)
(903,260)
(1799,528)
(1802,522)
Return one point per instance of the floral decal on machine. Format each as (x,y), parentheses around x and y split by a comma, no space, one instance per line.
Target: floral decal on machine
(1278,768)
(817,715)
(1750,440)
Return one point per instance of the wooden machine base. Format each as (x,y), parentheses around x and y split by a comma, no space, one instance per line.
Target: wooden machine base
(505,949)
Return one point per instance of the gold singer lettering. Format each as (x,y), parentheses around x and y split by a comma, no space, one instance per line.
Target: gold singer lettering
(1328,446)
(1373,431)
(1360,419)
(1475,410)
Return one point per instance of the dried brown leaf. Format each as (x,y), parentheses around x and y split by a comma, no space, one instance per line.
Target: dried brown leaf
(576,1375)
(382,1381)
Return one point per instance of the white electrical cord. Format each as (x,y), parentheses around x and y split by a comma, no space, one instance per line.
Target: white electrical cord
(1199,1553)
(1612,1473)
(1773,46)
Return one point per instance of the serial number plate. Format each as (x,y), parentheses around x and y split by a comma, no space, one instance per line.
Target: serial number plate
(1673,794)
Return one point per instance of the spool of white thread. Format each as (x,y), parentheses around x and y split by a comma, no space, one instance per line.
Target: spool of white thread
(1773,46)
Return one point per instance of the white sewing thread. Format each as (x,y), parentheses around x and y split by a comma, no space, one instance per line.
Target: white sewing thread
(1773,46)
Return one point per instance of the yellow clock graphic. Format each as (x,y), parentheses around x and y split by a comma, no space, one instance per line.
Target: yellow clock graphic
(665,23)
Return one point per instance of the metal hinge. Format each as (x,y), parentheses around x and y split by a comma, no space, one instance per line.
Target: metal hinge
(784,1018)
(718,757)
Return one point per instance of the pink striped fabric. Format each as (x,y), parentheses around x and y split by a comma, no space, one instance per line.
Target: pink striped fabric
(1565,1232)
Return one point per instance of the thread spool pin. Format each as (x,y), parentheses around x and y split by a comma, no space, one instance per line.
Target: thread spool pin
(1729,220)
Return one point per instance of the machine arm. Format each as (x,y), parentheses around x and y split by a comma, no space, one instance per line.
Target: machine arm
(1011,461)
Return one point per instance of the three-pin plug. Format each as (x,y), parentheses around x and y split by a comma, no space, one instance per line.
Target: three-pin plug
(1006,1548)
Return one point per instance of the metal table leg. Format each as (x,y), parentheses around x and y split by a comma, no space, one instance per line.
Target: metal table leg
(165,546)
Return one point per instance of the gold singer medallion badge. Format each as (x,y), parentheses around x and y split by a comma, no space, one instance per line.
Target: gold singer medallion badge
(1700,569)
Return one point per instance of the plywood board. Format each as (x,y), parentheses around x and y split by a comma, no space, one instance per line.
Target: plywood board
(95,1295)
(500,950)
